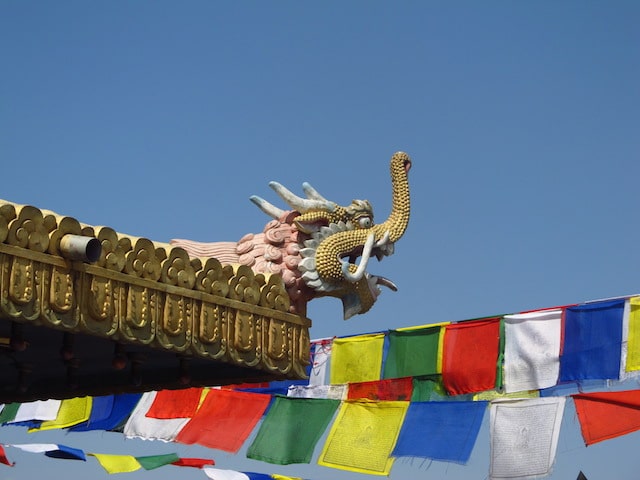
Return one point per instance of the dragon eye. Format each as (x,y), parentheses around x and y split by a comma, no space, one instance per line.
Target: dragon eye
(365,222)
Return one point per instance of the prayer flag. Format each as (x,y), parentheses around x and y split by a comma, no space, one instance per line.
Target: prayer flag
(53,450)
(633,345)
(193,462)
(412,352)
(335,392)
(40,410)
(357,359)
(569,388)
(592,341)
(444,431)
(117,463)
(141,426)
(363,436)
(154,461)
(122,406)
(320,363)
(291,429)
(470,358)
(532,350)
(175,403)
(8,413)
(606,415)
(524,436)
(496,395)
(428,389)
(388,389)
(67,453)
(218,474)
(100,410)
(35,447)
(72,411)
(3,457)
(625,373)
(225,419)
(278,387)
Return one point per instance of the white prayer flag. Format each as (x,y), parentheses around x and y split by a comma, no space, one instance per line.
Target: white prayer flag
(219,474)
(36,447)
(624,347)
(319,374)
(524,436)
(43,410)
(147,428)
(333,392)
(532,350)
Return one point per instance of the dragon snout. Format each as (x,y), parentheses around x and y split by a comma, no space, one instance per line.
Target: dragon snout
(404,159)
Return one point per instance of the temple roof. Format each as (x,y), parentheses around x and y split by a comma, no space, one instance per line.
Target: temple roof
(85,310)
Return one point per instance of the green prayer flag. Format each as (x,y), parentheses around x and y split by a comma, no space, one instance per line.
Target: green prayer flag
(291,429)
(154,461)
(500,365)
(430,389)
(427,389)
(8,413)
(412,353)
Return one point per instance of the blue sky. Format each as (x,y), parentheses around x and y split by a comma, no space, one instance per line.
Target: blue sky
(160,119)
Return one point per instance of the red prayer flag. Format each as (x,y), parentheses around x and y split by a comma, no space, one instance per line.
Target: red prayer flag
(193,462)
(470,356)
(388,389)
(607,415)
(225,419)
(3,457)
(175,403)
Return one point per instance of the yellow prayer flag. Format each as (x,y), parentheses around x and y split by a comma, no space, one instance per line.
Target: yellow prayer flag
(72,411)
(363,436)
(440,348)
(282,477)
(633,344)
(493,395)
(117,463)
(420,327)
(357,359)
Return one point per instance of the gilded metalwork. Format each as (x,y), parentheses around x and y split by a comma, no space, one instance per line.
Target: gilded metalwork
(141,292)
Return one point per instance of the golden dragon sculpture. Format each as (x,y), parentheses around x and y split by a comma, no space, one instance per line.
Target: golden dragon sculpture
(315,246)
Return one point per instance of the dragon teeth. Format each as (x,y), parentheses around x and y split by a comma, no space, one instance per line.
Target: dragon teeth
(307,264)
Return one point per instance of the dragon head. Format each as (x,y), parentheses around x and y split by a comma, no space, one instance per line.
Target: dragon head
(336,243)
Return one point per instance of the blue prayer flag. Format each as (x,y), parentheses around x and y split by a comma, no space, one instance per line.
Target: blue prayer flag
(122,406)
(445,431)
(67,453)
(258,476)
(101,408)
(592,341)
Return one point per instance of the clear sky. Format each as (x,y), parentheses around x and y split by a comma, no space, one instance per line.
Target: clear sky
(159,119)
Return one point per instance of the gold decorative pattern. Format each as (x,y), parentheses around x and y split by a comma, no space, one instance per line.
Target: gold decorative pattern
(146,293)
(333,248)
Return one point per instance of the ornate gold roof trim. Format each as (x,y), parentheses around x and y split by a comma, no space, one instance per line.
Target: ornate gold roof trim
(146,293)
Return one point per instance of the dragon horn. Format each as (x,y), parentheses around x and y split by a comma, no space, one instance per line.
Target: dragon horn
(266,207)
(312,193)
(302,205)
